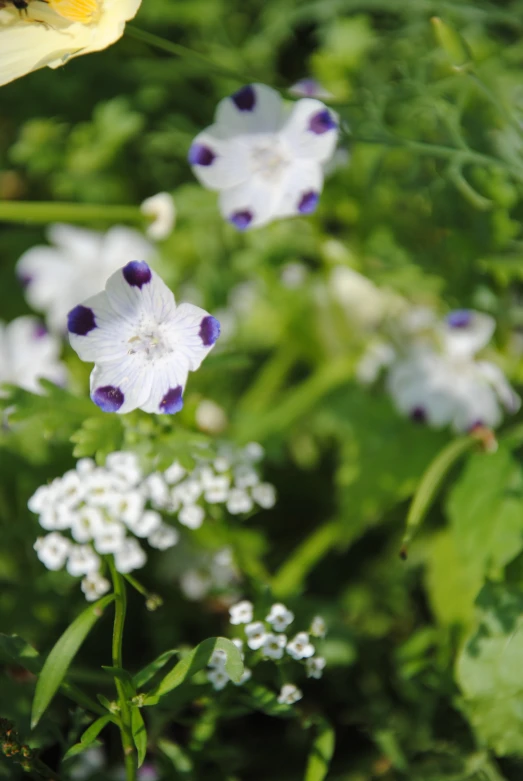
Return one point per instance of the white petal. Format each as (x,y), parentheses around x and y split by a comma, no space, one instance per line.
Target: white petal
(255,108)
(218,162)
(135,290)
(300,190)
(251,204)
(166,389)
(507,395)
(311,130)
(465,332)
(97,332)
(195,332)
(121,386)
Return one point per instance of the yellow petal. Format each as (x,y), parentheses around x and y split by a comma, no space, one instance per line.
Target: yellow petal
(84,11)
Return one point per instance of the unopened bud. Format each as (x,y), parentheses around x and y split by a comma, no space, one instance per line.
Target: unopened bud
(153,602)
(452,43)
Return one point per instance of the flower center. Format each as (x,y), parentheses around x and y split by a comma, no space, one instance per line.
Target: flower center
(149,343)
(83,11)
(268,159)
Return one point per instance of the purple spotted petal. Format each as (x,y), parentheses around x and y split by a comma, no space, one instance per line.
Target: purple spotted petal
(108,398)
(461,318)
(418,415)
(308,202)
(209,330)
(172,401)
(199,154)
(241,220)
(81,320)
(321,122)
(137,273)
(245,98)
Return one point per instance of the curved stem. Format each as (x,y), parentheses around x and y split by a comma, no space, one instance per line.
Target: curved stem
(43,212)
(125,710)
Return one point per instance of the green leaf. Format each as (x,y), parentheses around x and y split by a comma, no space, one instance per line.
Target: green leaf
(89,736)
(196,660)
(149,671)
(139,734)
(321,753)
(15,650)
(451,592)
(490,673)
(61,656)
(264,699)
(124,677)
(98,436)
(181,761)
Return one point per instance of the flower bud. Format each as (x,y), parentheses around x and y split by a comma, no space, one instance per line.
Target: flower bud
(452,43)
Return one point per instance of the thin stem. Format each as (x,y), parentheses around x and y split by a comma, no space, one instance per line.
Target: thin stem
(43,212)
(78,696)
(125,710)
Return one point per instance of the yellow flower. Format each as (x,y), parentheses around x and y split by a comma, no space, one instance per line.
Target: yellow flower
(51,32)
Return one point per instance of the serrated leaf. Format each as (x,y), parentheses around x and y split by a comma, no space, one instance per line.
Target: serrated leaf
(98,437)
(61,656)
(139,734)
(89,736)
(196,660)
(149,671)
(321,753)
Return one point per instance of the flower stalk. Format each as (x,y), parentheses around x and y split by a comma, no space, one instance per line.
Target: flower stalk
(44,212)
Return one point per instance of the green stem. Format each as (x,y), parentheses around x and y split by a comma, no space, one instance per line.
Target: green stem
(188,54)
(125,710)
(303,559)
(43,212)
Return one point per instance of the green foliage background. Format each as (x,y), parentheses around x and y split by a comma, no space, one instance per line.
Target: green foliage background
(424,658)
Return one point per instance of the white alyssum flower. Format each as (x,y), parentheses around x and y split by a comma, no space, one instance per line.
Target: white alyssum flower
(315,666)
(218,677)
(174,473)
(245,676)
(161,209)
(163,537)
(218,658)
(94,586)
(289,694)
(82,560)
(256,635)
(129,556)
(273,646)
(239,501)
(280,617)
(300,647)
(318,628)
(76,265)
(142,344)
(51,33)
(28,353)
(264,494)
(52,550)
(241,613)
(441,382)
(192,516)
(265,157)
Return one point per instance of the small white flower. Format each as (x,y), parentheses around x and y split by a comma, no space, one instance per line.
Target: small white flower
(156,490)
(239,645)
(315,666)
(82,560)
(127,506)
(88,522)
(43,498)
(163,211)
(56,518)
(245,676)
(274,646)
(192,516)
(126,466)
(253,452)
(289,694)
(110,538)
(300,647)
(99,489)
(217,492)
(94,586)
(218,677)
(245,476)
(239,502)
(189,491)
(210,417)
(264,157)
(52,550)
(318,627)
(241,612)
(218,658)
(28,353)
(264,494)
(174,473)
(256,634)
(70,489)
(195,585)
(222,464)
(129,556)
(280,617)
(142,344)
(84,466)
(147,523)
(163,537)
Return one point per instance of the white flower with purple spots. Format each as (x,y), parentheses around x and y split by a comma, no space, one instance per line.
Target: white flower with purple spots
(264,156)
(28,353)
(142,344)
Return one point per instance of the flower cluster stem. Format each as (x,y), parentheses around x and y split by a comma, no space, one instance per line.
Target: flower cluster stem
(125,710)
(44,212)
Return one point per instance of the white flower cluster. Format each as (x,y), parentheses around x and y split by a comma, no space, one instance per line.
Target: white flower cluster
(268,637)
(105,509)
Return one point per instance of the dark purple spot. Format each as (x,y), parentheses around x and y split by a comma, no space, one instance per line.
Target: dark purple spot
(308,202)
(81,320)
(25,280)
(475,426)
(418,415)
(461,318)
(242,219)
(108,398)
(209,330)
(306,88)
(137,273)
(40,331)
(245,98)
(172,401)
(199,154)
(322,121)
